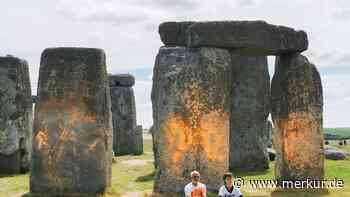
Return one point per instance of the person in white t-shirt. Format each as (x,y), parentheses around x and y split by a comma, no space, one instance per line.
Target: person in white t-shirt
(228,190)
(195,188)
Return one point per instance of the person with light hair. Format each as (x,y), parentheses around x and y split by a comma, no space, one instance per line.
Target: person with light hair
(195,188)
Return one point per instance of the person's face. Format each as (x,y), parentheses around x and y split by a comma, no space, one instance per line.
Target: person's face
(229,181)
(195,178)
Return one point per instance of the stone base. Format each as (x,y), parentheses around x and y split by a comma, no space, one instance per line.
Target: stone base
(10,164)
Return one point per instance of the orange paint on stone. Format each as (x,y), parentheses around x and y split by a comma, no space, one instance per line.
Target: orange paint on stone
(42,139)
(92,146)
(213,137)
(69,115)
(177,141)
(300,142)
(204,131)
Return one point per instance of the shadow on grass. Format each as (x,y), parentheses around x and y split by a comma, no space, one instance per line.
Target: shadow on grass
(296,193)
(108,193)
(10,175)
(147,177)
(165,195)
(209,194)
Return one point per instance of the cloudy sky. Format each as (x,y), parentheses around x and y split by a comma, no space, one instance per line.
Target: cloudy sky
(128,31)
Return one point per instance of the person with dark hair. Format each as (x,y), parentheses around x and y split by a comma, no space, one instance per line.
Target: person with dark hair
(228,189)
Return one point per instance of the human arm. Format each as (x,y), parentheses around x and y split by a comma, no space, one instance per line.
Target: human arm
(187,191)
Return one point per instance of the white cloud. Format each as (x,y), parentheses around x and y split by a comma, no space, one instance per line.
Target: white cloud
(336,98)
(143,104)
(128,32)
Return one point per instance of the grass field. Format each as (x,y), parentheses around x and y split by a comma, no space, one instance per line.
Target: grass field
(341,133)
(133,177)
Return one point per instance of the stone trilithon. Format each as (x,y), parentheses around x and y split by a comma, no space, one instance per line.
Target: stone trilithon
(189,84)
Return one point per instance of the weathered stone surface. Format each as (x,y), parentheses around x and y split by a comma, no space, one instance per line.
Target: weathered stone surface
(10,164)
(121,80)
(124,117)
(249,111)
(297,107)
(268,132)
(191,110)
(252,37)
(15,115)
(139,140)
(174,33)
(154,145)
(73,123)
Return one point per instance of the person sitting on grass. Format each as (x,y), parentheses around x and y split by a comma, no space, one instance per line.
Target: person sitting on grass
(195,188)
(228,190)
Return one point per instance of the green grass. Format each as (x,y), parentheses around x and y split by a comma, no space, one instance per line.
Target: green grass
(343,148)
(133,178)
(333,169)
(341,133)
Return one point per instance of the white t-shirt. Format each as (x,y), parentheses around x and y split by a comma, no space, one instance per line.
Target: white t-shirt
(223,192)
(198,190)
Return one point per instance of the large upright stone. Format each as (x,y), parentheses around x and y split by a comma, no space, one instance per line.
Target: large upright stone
(251,37)
(268,133)
(15,116)
(191,110)
(124,114)
(139,140)
(297,106)
(249,111)
(121,80)
(154,140)
(72,145)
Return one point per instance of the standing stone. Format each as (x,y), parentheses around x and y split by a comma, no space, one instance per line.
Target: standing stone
(251,37)
(297,117)
(154,142)
(123,113)
(268,134)
(191,110)
(15,116)
(72,126)
(249,112)
(139,140)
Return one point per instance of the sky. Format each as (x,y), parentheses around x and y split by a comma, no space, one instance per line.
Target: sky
(128,32)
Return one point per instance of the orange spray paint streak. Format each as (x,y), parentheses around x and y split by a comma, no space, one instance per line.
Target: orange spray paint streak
(75,110)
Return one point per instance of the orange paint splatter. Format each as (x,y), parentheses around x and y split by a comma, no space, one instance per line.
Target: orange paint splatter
(42,139)
(299,140)
(69,115)
(92,146)
(202,133)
